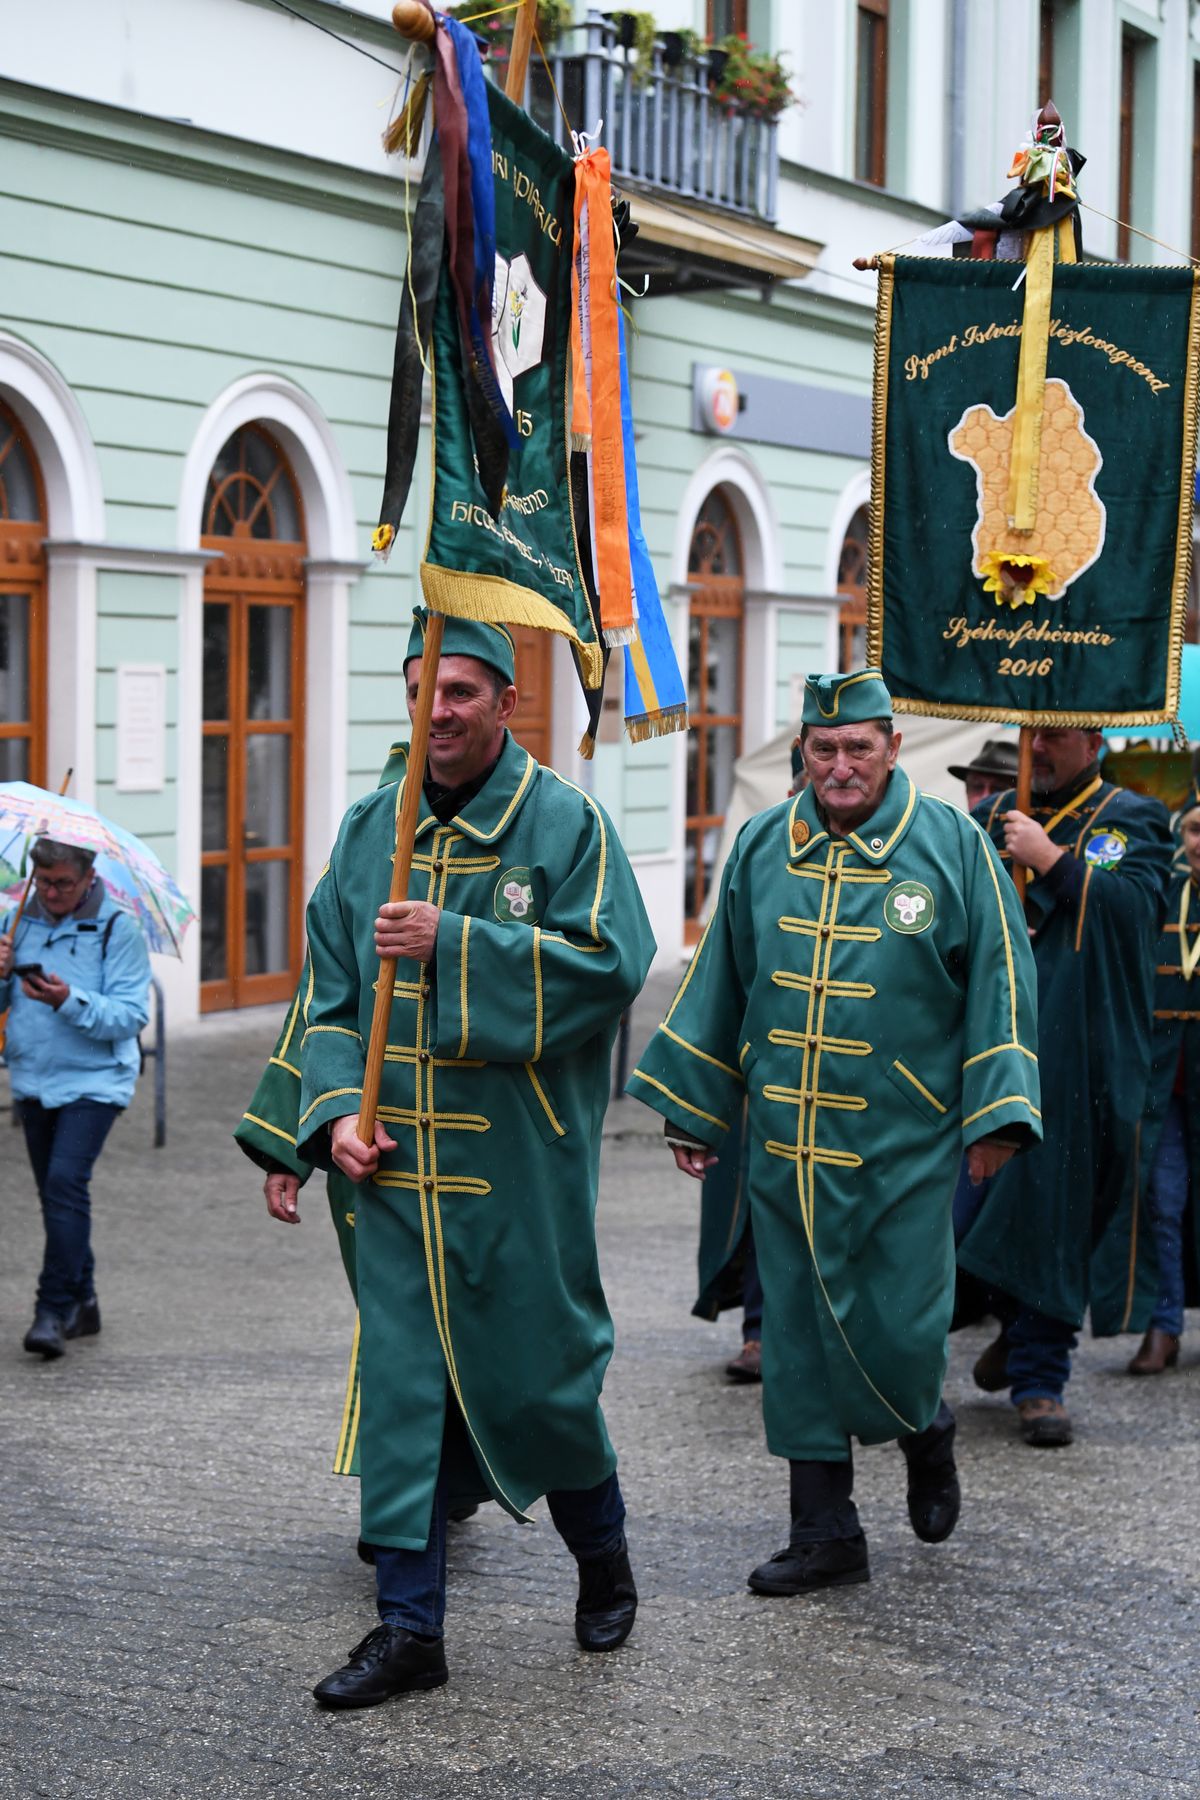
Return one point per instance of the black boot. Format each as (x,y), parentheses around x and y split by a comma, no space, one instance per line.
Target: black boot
(390,1660)
(804,1567)
(934,1496)
(826,1547)
(84,1320)
(607,1603)
(45,1336)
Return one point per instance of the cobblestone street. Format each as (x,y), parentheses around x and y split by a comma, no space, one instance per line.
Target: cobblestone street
(178,1564)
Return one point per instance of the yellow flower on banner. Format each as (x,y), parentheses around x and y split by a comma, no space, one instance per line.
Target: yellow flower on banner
(1016,580)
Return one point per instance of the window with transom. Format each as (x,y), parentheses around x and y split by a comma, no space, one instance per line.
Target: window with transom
(251,803)
(22,607)
(251,492)
(715,644)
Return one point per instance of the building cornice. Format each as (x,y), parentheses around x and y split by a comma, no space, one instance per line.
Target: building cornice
(144,558)
(176,147)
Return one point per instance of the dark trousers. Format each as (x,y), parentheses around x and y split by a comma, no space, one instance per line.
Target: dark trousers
(752,1294)
(822,1493)
(1039,1347)
(63,1143)
(1166,1202)
(410,1585)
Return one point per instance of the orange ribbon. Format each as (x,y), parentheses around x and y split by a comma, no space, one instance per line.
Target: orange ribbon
(610,538)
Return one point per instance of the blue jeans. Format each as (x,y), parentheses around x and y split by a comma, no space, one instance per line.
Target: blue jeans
(1039,1355)
(410,1585)
(63,1143)
(1166,1198)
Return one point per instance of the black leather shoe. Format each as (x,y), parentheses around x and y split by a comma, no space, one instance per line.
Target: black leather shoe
(390,1660)
(45,1336)
(84,1321)
(607,1604)
(803,1568)
(934,1495)
(366,1552)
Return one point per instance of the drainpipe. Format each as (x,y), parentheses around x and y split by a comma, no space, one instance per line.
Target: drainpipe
(958,107)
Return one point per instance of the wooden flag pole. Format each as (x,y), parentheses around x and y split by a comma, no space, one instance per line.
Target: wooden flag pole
(1020,873)
(413,20)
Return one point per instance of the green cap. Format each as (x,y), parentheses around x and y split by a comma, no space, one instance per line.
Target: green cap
(487,643)
(845,699)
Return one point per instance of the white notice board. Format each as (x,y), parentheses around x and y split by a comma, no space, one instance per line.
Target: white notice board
(141,727)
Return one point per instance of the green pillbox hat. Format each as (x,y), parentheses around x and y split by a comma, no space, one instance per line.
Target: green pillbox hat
(490,644)
(845,699)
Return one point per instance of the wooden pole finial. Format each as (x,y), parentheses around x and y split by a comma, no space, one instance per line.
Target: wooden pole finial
(413,20)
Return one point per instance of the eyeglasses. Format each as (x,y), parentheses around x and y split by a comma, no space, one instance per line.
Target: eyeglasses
(63,885)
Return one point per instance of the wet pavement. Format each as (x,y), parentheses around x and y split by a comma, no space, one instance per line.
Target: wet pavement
(177,1563)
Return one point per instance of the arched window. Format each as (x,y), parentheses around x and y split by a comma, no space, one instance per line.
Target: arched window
(715,624)
(852,585)
(22,608)
(251,886)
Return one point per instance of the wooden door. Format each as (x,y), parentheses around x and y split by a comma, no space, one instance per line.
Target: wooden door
(251,881)
(22,608)
(532,722)
(715,629)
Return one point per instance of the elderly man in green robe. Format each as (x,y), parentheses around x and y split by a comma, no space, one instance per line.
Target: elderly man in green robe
(866,984)
(484,1332)
(1099,858)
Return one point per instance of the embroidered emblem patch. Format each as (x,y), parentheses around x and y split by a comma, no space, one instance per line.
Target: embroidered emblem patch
(800,832)
(1105,848)
(909,907)
(514,897)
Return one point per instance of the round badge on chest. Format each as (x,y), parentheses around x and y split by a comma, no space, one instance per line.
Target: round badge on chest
(909,908)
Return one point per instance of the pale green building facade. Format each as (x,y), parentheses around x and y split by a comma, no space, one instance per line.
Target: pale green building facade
(200,263)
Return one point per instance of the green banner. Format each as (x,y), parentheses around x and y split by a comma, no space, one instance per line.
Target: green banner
(523,567)
(1080,620)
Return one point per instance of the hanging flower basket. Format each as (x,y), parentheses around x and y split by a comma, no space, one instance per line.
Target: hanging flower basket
(752,81)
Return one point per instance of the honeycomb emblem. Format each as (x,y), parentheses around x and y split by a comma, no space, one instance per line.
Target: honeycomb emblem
(1069,534)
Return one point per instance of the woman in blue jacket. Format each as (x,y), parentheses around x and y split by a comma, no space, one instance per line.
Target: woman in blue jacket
(76,977)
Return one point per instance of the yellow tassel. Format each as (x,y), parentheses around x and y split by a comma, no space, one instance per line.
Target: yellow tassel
(467,595)
(404,131)
(587,746)
(654,725)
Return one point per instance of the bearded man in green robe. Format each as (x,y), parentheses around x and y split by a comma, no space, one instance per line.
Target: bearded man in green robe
(1099,859)
(865,985)
(483,1329)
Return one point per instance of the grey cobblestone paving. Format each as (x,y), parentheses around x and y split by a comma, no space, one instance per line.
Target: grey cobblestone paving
(177,1564)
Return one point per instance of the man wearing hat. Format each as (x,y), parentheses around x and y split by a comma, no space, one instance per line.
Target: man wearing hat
(992,770)
(1098,858)
(866,985)
(483,1328)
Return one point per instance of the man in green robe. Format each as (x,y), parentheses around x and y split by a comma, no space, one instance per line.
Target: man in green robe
(866,985)
(484,1332)
(1099,859)
(1148,1262)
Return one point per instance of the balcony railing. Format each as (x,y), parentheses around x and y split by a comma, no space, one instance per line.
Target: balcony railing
(663,127)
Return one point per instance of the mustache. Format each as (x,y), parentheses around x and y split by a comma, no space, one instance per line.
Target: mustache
(852,784)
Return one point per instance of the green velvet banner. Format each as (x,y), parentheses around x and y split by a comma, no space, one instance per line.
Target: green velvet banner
(523,567)
(1081,619)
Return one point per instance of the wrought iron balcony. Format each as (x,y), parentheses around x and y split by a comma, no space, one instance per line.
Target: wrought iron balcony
(663,126)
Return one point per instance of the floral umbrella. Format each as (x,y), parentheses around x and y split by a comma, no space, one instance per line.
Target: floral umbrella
(129,869)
